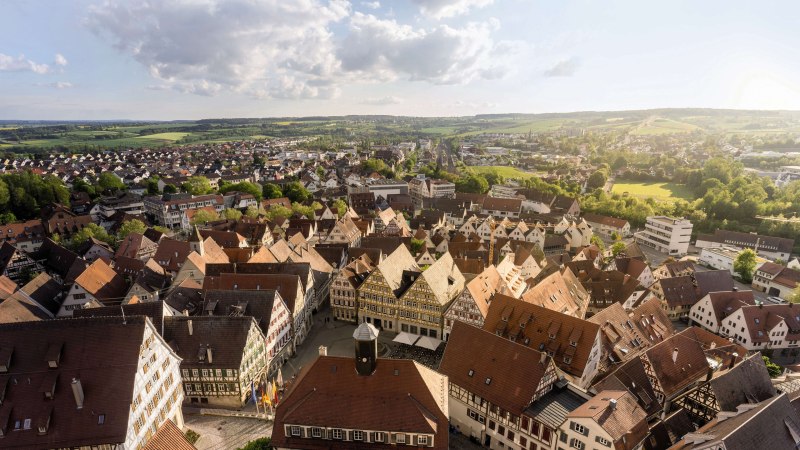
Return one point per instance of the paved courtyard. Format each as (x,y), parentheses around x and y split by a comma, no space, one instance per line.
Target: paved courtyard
(222,433)
(336,336)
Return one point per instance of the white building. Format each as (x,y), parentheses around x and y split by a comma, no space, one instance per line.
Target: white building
(722,258)
(612,419)
(764,326)
(666,235)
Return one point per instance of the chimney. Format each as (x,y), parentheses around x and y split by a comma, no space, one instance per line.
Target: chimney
(543,358)
(323,351)
(77,391)
(209,355)
(675,354)
(191,328)
(612,404)
(733,359)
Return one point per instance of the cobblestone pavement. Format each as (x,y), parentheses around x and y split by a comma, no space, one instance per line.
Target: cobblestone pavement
(222,433)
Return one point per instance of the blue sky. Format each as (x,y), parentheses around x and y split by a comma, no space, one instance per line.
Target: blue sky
(189,59)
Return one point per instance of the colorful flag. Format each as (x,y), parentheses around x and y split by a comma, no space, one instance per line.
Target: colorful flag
(253,392)
(274,392)
(280,378)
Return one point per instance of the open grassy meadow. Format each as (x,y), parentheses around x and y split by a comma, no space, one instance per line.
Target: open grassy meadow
(504,171)
(663,126)
(657,190)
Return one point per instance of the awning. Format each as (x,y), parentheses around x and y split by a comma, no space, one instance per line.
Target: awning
(428,342)
(405,338)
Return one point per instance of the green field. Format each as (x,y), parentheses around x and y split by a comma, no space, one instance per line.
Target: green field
(657,190)
(663,126)
(175,136)
(504,171)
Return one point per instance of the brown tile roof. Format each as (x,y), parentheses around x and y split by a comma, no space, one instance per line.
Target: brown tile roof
(400,396)
(168,437)
(679,291)
(45,291)
(103,353)
(286,285)
(690,362)
(605,220)
(625,419)
(171,254)
(225,239)
(502,204)
(102,282)
(713,281)
(505,373)
(153,310)
(726,303)
(225,335)
(522,321)
(561,292)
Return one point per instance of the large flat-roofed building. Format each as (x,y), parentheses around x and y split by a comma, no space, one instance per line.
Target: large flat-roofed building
(769,247)
(666,235)
(107,382)
(384,188)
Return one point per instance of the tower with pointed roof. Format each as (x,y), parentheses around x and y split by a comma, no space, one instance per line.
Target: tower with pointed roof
(196,241)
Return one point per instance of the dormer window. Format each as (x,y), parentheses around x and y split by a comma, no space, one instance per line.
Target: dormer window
(488,381)
(471,372)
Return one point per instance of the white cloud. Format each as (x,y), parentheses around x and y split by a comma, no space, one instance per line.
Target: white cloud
(379,49)
(563,68)
(382,101)
(280,49)
(270,48)
(60,60)
(56,85)
(440,9)
(21,64)
(371,5)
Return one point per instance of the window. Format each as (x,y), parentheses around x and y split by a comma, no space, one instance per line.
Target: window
(491,425)
(574,443)
(358,435)
(603,441)
(545,435)
(101,419)
(295,430)
(337,433)
(400,438)
(422,440)
(471,372)
(579,428)
(316,432)
(378,437)
(488,381)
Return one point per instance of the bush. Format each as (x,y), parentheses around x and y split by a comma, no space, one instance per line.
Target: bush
(258,444)
(192,436)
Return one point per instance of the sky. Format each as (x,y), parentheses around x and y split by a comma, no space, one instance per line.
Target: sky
(192,59)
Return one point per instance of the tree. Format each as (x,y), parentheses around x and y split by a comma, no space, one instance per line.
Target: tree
(197,185)
(773,369)
(204,216)
(131,226)
(109,181)
(278,211)
(296,192)
(472,183)
(616,236)
(258,444)
(598,242)
(341,207)
(152,185)
(597,180)
(91,230)
(244,186)
(253,212)
(617,248)
(271,190)
(232,214)
(745,264)
(794,297)
(417,245)
(7,218)
(170,189)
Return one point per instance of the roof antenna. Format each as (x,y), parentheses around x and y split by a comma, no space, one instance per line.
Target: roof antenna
(124,321)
